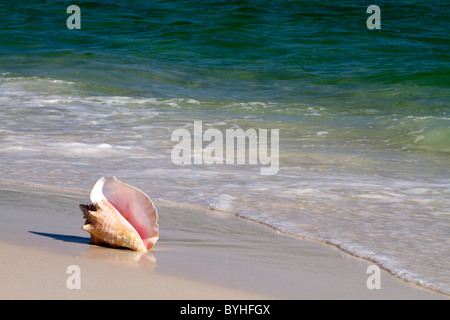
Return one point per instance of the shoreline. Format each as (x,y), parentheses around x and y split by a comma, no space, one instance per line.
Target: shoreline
(228,257)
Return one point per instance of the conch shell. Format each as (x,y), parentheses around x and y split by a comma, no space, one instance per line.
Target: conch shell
(120,216)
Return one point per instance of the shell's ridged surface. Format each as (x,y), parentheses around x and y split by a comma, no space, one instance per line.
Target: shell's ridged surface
(117,206)
(106,227)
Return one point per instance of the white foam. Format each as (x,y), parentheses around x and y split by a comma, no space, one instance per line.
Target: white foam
(313,112)
(417,191)
(79,149)
(222,202)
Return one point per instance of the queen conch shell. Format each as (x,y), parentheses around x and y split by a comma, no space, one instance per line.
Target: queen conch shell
(120,216)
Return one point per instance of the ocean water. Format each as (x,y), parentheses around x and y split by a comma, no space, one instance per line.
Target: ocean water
(363,115)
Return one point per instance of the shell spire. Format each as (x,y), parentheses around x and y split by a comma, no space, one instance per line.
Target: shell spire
(120,216)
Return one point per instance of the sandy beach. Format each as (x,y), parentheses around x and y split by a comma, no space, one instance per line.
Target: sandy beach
(201,254)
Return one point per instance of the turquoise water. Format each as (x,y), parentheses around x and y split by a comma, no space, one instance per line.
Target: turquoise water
(363,115)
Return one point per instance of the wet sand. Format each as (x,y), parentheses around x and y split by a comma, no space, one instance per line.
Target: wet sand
(201,254)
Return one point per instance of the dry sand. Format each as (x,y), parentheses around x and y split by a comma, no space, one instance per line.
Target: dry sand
(200,255)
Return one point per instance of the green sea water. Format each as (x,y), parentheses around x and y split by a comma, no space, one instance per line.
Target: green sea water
(363,115)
